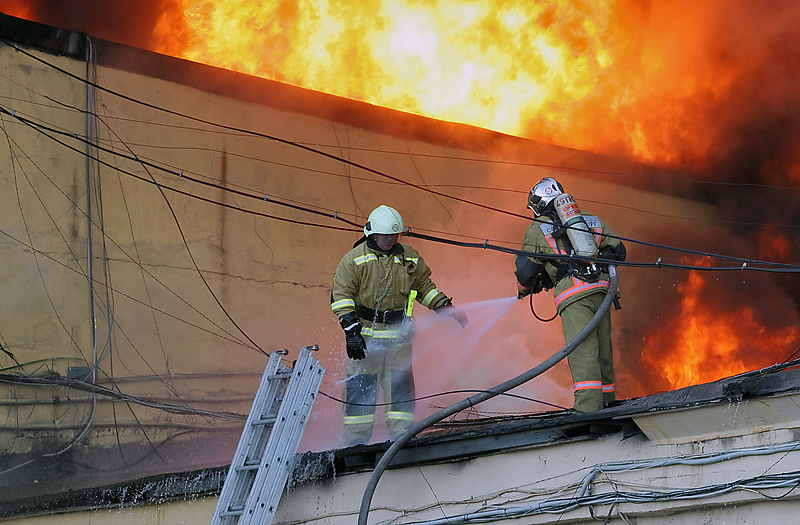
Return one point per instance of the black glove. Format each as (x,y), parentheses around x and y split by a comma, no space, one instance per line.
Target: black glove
(356,346)
(447,308)
(615,253)
(541,281)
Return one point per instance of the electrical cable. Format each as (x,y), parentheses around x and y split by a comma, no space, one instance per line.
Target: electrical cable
(215,185)
(402,182)
(124,334)
(211,201)
(107,287)
(143,272)
(130,297)
(57,380)
(90,220)
(438,394)
(92,223)
(335,214)
(90,136)
(191,256)
(30,239)
(478,398)
(257,134)
(584,497)
(560,506)
(747,264)
(333,157)
(704,459)
(235,132)
(483,246)
(350,176)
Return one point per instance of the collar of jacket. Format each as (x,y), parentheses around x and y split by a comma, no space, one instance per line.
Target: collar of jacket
(397,249)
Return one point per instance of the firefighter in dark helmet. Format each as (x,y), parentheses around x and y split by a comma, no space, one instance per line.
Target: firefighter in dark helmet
(578,286)
(374,290)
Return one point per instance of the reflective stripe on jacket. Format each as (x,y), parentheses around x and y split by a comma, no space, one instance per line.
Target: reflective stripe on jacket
(539,239)
(382,281)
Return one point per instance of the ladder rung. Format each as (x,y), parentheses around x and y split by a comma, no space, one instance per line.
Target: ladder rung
(265,420)
(238,511)
(252,466)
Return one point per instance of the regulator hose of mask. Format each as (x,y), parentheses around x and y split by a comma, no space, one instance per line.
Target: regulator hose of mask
(415,429)
(537,315)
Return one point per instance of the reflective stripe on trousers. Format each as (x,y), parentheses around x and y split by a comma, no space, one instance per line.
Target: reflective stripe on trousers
(589,385)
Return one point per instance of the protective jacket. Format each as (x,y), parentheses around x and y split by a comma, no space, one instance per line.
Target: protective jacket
(545,236)
(379,282)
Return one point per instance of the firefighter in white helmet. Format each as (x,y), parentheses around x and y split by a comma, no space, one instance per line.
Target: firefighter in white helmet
(578,287)
(374,290)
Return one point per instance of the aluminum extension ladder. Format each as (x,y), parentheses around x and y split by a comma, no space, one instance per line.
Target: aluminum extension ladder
(269,442)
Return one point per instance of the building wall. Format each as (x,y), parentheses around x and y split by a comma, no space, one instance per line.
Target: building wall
(161,244)
(527,477)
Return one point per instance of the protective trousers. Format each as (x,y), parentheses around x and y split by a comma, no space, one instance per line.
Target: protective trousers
(388,365)
(591,363)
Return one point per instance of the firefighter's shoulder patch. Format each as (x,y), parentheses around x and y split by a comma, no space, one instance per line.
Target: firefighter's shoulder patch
(592,221)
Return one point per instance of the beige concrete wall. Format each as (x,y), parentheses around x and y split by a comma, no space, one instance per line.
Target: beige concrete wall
(523,477)
(43,249)
(170,340)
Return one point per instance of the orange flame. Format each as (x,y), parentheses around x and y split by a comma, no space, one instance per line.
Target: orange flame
(700,345)
(18,8)
(577,74)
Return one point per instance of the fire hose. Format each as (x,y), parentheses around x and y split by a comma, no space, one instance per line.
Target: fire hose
(471,401)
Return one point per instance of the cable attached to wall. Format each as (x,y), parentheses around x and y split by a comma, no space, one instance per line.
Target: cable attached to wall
(747,264)
(319,152)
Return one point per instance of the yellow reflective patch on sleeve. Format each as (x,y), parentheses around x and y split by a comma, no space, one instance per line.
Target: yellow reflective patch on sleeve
(342,303)
(428,298)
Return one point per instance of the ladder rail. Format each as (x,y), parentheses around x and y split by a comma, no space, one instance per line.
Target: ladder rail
(284,439)
(237,487)
(266,450)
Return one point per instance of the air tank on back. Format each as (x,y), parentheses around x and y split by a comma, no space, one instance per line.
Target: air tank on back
(578,231)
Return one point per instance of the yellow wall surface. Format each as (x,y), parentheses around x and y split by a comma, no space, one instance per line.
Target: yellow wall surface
(192,283)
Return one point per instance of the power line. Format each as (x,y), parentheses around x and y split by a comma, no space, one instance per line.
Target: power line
(318,152)
(448,157)
(747,264)
(438,394)
(127,296)
(55,379)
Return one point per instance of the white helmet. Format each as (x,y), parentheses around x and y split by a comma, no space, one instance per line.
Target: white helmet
(384,220)
(542,193)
